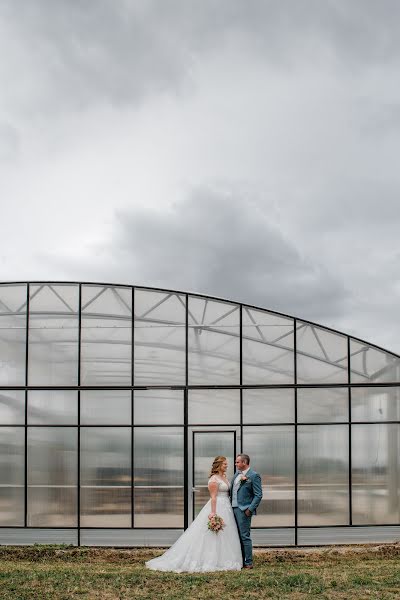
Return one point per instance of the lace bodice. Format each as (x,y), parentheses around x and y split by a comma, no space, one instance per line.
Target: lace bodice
(223,488)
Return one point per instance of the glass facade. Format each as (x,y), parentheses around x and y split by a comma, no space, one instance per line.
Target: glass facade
(114,399)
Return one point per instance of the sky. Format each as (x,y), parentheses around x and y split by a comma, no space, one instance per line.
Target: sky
(246,150)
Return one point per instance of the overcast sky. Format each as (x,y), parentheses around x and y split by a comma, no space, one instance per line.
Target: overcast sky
(248,150)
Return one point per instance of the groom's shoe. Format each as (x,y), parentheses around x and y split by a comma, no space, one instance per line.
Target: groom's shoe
(248,567)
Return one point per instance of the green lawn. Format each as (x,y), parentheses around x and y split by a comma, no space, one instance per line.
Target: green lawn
(56,572)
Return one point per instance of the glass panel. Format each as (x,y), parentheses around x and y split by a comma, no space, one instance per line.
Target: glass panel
(52,407)
(214,406)
(52,476)
(106,506)
(271,450)
(267,348)
(370,365)
(158,494)
(158,407)
(321,355)
(206,447)
(214,342)
(53,335)
(106,347)
(268,406)
(160,338)
(323,479)
(376,473)
(106,407)
(12,334)
(12,476)
(375,404)
(106,477)
(12,407)
(322,405)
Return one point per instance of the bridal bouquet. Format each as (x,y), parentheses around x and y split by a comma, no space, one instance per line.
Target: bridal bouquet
(216,523)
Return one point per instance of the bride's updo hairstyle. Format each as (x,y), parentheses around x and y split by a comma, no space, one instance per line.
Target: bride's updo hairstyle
(215,467)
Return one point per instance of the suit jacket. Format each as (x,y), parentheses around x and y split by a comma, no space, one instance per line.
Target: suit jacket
(249,493)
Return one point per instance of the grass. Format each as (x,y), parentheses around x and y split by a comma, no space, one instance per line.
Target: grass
(61,572)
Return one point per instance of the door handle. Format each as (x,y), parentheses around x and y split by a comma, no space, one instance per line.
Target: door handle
(194,490)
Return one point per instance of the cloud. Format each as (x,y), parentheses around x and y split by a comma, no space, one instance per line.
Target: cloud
(245,151)
(216,243)
(64,56)
(222,242)
(73,55)
(9,143)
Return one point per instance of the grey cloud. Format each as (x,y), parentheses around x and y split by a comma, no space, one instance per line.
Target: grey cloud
(9,143)
(216,244)
(105,51)
(327,251)
(366,206)
(381,120)
(84,53)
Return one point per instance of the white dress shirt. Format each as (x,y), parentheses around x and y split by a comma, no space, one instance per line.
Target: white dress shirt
(236,485)
(240,475)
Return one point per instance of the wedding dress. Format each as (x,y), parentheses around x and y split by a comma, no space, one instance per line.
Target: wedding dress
(198,549)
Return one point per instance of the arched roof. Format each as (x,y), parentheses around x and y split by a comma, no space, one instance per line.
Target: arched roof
(229,343)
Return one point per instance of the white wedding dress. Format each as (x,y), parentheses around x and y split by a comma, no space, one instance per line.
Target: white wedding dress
(199,549)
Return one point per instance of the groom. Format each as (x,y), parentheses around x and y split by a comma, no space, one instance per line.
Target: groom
(246,494)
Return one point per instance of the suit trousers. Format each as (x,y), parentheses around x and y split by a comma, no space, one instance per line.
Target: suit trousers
(244,526)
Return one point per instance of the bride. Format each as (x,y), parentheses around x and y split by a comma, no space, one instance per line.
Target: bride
(198,548)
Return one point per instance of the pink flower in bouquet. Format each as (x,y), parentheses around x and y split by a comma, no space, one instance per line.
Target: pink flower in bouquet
(215,523)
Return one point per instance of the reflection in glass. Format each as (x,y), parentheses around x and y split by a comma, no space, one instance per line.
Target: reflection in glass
(370,365)
(106,407)
(158,460)
(214,406)
(376,473)
(53,334)
(322,405)
(321,355)
(12,407)
(12,334)
(158,407)
(12,476)
(267,348)
(214,342)
(160,338)
(208,445)
(375,404)
(106,347)
(52,476)
(268,406)
(52,407)
(323,465)
(271,450)
(106,477)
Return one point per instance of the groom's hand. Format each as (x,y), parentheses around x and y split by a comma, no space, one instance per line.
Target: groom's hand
(248,512)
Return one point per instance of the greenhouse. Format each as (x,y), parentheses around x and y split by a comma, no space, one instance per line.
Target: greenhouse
(114,400)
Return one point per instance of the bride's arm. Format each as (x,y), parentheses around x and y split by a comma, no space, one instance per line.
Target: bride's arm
(213,489)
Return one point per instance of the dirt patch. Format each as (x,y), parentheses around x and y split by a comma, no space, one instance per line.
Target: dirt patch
(359,551)
(139,555)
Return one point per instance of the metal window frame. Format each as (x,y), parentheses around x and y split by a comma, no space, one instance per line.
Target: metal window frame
(215,431)
(294,385)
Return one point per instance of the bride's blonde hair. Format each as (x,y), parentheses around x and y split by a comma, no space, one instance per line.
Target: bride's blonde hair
(215,467)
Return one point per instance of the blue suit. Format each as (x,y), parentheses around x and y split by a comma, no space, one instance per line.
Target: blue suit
(249,496)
